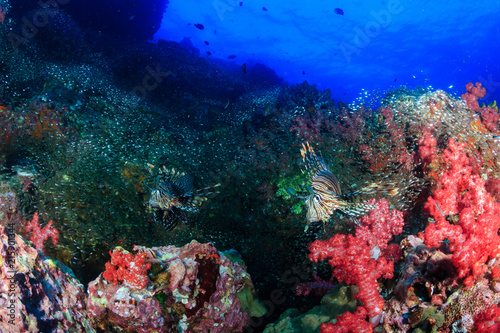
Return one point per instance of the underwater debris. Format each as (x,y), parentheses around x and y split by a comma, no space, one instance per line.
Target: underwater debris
(327,196)
(174,195)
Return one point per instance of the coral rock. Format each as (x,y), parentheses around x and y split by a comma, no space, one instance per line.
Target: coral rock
(38,294)
(193,288)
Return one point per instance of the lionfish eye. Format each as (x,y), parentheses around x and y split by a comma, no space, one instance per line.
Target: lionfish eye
(316,197)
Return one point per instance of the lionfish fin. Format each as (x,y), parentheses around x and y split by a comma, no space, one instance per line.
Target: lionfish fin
(166,218)
(193,202)
(377,188)
(312,162)
(356,209)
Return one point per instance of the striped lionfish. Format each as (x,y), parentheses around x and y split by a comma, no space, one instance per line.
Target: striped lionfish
(326,196)
(173,196)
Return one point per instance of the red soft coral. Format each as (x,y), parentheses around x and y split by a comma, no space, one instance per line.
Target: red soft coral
(488,321)
(472,94)
(353,264)
(126,267)
(355,260)
(349,323)
(379,225)
(490,118)
(39,235)
(427,151)
(475,237)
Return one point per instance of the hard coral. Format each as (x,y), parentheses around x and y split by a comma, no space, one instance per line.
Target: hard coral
(38,294)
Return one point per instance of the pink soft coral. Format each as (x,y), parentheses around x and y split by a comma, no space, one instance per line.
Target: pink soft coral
(379,225)
(39,235)
(472,94)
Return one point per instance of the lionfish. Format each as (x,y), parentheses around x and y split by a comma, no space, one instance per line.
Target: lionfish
(326,196)
(173,196)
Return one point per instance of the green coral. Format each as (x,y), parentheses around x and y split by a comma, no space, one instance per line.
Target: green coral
(249,303)
(291,183)
(430,320)
(335,302)
(161,297)
(297,208)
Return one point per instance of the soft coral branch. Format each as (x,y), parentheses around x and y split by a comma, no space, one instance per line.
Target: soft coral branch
(39,235)
(460,192)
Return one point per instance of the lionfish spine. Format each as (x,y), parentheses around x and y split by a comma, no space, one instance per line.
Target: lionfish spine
(376,188)
(357,209)
(201,195)
(312,162)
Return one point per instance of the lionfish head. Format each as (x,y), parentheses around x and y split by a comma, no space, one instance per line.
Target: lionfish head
(160,200)
(315,209)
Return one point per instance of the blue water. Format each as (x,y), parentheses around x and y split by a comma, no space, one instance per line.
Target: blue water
(375,45)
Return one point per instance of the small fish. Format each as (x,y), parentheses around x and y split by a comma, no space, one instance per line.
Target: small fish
(241,3)
(264,9)
(173,196)
(301,193)
(338,11)
(303,72)
(206,42)
(232,56)
(440,210)
(209,53)
(244,68)
(199,26)
(327,196)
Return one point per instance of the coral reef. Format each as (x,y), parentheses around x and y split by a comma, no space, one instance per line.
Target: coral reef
(357,260)
(336,301)
(191,288)
(473,238)
(127,268)
(85,112)
(38,293)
